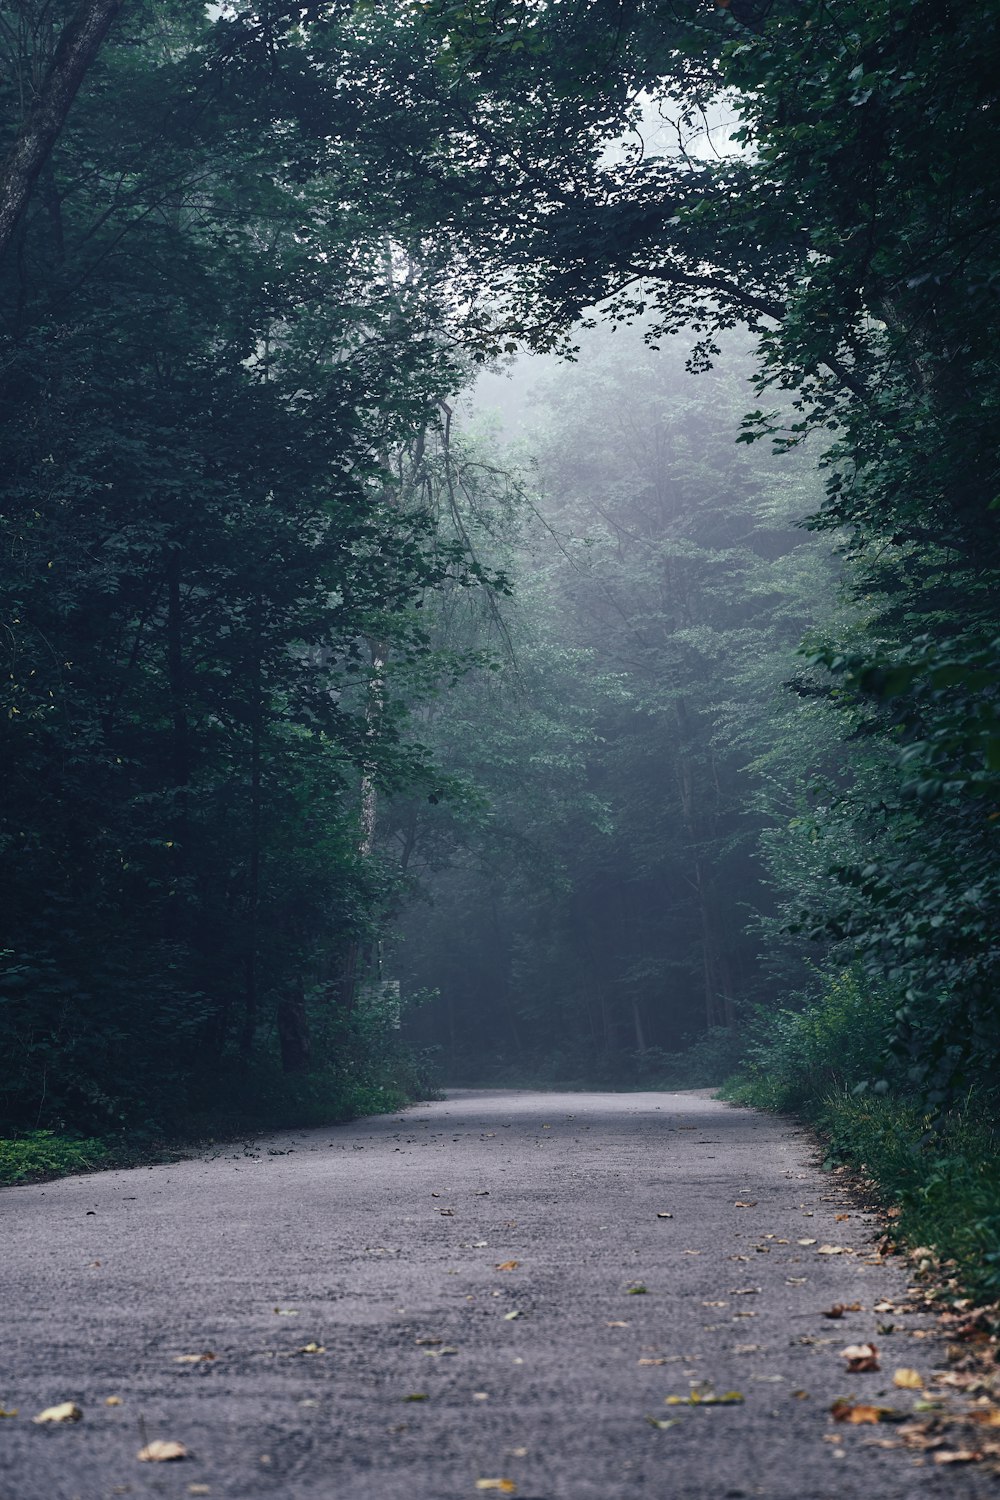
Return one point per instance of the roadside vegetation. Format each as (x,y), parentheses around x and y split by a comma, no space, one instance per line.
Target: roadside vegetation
(669,698)
(937,1169)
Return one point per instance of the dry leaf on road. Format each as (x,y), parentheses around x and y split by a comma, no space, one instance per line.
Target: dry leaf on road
(834,1250)
(196,1359)
(66,1411)
(507,1265)
(505,1486)
(840,1308)
(908,1380)
(860,1414)
(706,1398)
(161,1452)
(861,1358)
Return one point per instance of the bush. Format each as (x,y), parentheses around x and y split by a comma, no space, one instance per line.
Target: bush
(42,1153)
(942,1171)
(795,1059)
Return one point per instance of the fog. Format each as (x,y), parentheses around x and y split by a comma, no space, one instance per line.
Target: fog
(623,745)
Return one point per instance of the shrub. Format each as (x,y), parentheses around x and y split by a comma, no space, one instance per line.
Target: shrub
(42,1153)
(794,1059)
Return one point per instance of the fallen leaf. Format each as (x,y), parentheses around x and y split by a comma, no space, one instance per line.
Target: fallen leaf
(66,1411)
(616,1324)
(507,1265)
(752,1203)
(706,1398)
(805,1242)
(442,1353)
(446,1213)
(861,1358)
(509,1317)
(743,1291)
(313,1348)
(637,1291)
(11,1413)
(662,1422)
(884,1307)
(287,1312)
(505,1486)
(161,1452)
(958,1456)
(834,1250)
(839,1308)
(990,1418)
(661,1361)
(859,1414)
(112,1401)
(194,1359)
(430,1339)
(908,1380)
(662,1215)
(199,1489)
(800,1395)
(417,1396)
(715,1304)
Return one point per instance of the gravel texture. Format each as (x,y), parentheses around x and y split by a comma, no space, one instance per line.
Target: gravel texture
(380,1248)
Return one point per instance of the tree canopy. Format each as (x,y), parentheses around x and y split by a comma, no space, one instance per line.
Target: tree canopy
(262,663)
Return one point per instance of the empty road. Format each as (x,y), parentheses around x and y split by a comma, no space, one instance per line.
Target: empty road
(486,1288)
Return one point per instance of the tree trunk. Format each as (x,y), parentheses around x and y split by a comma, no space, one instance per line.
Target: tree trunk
(293,1033)
(78,46)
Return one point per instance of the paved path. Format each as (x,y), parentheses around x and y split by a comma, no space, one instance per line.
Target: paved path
(381,1246)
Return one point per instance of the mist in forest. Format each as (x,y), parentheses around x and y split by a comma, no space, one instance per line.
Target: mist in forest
(626,739)
(412,670)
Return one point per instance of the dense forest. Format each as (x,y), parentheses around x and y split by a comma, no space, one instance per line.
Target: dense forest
(499,527)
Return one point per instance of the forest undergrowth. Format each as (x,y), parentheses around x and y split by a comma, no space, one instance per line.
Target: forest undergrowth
(936,1171)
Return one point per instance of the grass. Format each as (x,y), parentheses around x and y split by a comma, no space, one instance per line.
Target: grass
(256,1099)
(940,1170)
(40,1154)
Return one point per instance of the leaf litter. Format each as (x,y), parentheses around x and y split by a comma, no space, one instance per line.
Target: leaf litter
(161,1451)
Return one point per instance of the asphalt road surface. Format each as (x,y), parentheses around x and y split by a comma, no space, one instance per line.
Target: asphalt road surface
(402,1308)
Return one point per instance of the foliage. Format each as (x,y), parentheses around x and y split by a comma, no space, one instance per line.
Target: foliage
(847,222)
(938,1168)
(795,1059)
(42,1153)
(941,1173)
(216,392)
(593,914)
